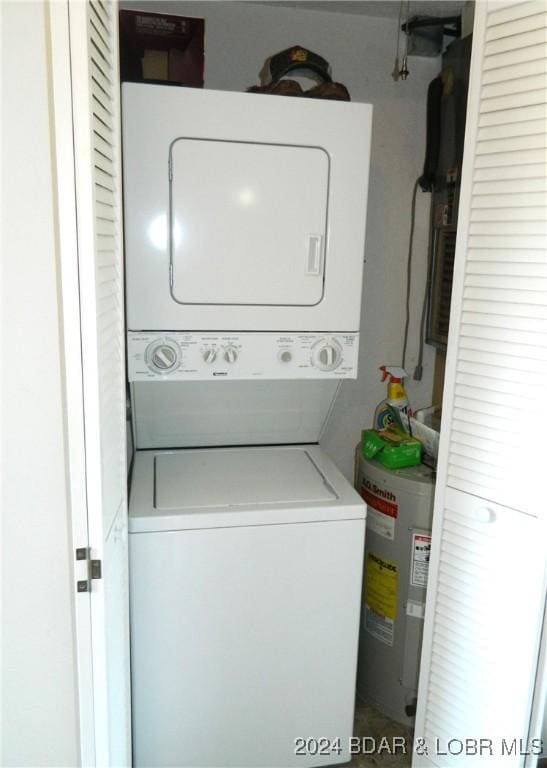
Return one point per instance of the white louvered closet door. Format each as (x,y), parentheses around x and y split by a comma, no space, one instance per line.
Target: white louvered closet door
(96,124)
(487,582)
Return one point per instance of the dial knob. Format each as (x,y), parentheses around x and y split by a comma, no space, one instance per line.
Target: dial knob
(230,354)
(162,357)
(327,355)
(209,355)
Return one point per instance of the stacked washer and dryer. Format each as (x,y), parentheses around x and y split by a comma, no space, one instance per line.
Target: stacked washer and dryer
(244,240)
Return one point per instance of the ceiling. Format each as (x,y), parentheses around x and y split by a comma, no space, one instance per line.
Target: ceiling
(383,8)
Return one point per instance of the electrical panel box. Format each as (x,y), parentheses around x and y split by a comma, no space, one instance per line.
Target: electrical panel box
(446,192)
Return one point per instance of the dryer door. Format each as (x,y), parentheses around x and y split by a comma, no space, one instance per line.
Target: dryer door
(236,235)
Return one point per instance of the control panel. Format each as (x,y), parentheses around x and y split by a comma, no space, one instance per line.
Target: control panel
(179,356)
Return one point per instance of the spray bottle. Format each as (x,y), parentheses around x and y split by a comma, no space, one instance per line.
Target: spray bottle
(396,397)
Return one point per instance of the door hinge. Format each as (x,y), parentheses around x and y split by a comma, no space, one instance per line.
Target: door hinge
(94,569)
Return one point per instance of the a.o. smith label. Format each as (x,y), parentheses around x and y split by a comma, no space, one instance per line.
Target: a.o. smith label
(382,509)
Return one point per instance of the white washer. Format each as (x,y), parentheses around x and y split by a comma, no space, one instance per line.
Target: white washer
(246,569)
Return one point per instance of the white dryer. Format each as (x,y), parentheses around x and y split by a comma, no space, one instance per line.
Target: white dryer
(244,233)
(245,589)
(243,212)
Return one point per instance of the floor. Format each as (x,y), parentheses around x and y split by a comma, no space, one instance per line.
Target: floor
(383,742)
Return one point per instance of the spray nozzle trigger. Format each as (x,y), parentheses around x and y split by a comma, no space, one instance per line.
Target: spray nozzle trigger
(394,373)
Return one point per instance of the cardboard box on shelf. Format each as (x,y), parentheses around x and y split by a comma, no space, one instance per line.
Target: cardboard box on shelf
(160,47)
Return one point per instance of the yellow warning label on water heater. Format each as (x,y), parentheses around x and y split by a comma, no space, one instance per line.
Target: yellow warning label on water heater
(381,585)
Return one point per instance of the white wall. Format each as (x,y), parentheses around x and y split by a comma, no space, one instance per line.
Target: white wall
(238,38)
(39,703)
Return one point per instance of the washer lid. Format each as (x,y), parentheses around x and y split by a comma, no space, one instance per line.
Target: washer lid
(226,487)
(234,478)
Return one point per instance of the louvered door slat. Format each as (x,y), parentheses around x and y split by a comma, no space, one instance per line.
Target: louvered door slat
(510,227)
(514,58)
(535,66)
(101,129)
(523,323)
(501,354)
(104,211)
(520,140)
(104,196)
(492,440)
(511,27)
(99,70)
(530,156)
(514,101)
(491,396)
(104,180)
(508,130)
(459,607)
(535,342)
(489,383)
(502,281)
(104,227)
(100,57)
(99,17)
(511,214)
(510,311)
(510,241)
(103,7)
(509,87)
(514,201)
(457,700)
(99,77)
(509,180)
(516,42)
(99,32)
(446,673)
(101,110)
(516,177)
(506,365)
(513,12)
(103,148)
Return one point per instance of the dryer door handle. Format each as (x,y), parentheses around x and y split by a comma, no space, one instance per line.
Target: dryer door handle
(314,257)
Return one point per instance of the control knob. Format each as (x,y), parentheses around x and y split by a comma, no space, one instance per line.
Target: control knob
(327,355)
(162,357)
(209,355)
(230,355)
